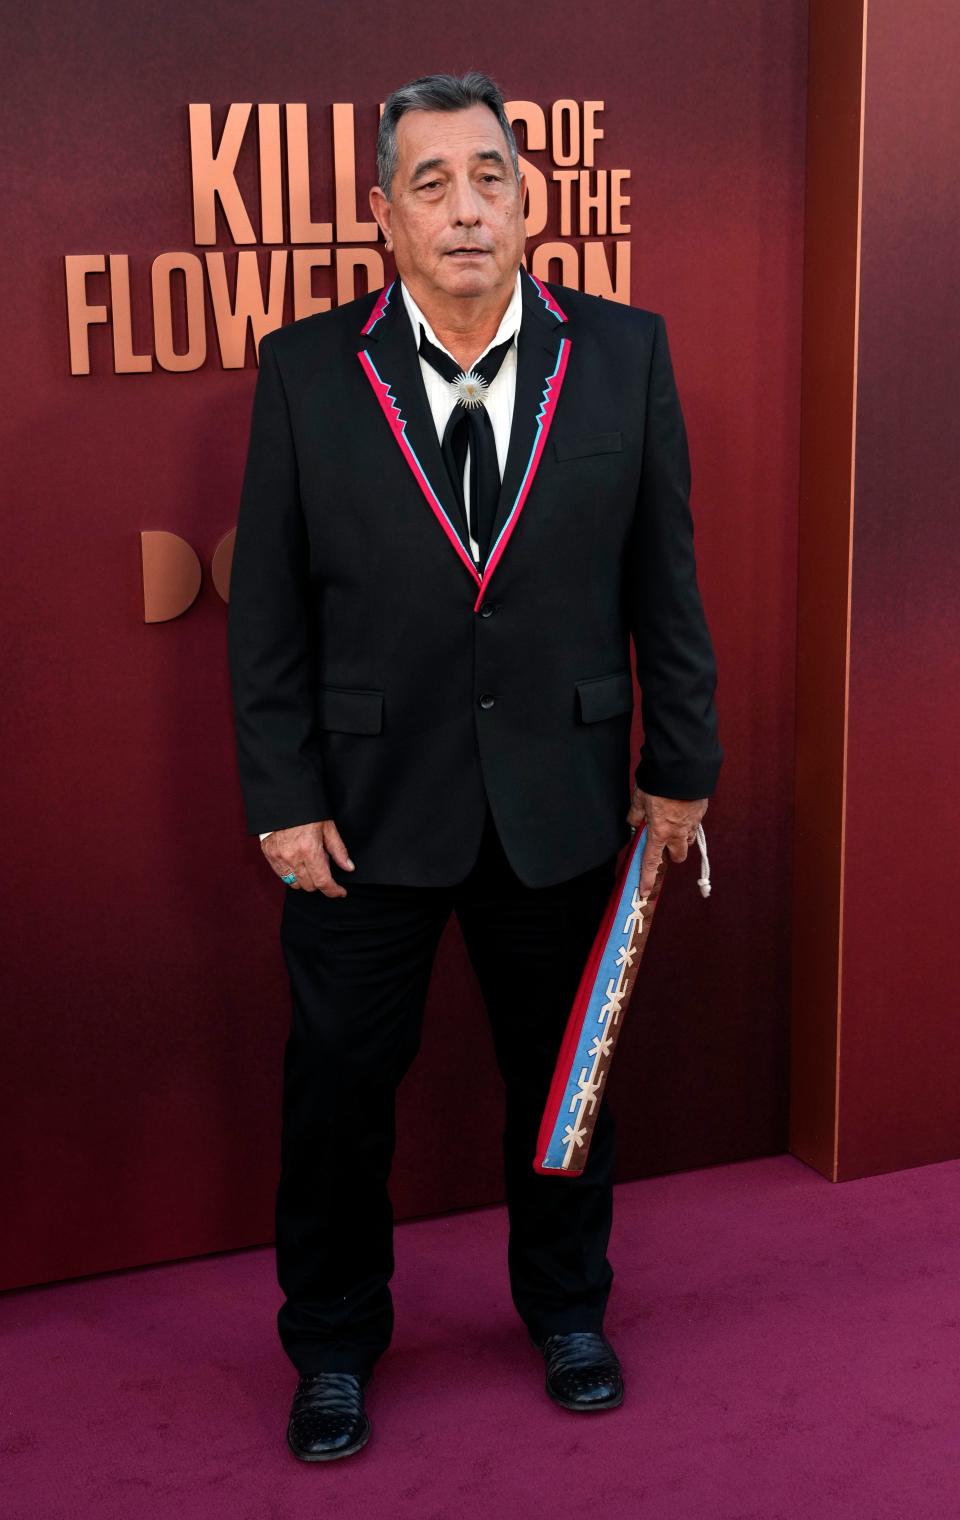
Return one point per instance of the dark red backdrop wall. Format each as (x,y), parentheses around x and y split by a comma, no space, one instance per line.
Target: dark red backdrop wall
(145,1002)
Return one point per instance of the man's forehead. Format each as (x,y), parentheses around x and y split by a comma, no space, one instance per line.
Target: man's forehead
(445,134)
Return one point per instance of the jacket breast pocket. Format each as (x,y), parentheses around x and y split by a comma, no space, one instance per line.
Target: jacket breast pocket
(577,445)
(349,711)
(605,696)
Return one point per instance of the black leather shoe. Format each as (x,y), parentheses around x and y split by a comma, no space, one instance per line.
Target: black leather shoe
(327,1419)
(582,1370)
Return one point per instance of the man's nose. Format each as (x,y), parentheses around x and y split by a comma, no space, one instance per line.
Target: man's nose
(464,204)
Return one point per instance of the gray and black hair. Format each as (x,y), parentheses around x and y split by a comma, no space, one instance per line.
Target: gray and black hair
(437,92)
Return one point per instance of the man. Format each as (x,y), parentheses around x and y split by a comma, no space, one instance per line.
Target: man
(463,494)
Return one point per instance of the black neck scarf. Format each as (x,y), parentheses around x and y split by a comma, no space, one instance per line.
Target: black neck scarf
(469,425)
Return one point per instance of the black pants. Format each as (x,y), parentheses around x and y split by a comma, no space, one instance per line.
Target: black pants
(359,971)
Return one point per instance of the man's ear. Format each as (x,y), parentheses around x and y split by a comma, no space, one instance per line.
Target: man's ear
(382,211)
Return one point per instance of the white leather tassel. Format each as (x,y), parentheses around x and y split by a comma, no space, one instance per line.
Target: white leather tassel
(703,880)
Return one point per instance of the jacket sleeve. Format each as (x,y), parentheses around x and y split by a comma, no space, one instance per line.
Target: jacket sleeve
(676,668)
(270,631)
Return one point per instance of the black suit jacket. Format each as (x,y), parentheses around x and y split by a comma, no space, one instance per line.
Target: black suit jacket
(380,681)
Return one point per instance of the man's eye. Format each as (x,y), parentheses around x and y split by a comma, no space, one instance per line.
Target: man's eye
(430,185)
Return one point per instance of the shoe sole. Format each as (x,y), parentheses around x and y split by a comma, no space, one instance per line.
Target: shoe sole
(598,1404)
(331,1456)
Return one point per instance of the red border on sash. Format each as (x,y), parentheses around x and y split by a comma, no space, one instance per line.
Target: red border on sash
(578,1012)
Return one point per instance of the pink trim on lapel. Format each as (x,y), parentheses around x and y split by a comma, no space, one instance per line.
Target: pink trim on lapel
(398,428)
(380,306)
(548,407)
(548,301)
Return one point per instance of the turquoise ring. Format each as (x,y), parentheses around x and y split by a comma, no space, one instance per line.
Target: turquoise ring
(289,878)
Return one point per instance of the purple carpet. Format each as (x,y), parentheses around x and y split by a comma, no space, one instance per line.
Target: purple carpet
(790,1350)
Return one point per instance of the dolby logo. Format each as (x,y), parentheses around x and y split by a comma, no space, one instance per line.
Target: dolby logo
(173,574)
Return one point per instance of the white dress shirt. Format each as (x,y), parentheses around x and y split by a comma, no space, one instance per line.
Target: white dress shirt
(500,392)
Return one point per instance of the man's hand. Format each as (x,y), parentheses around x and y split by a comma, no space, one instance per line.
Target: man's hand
(671,824)
(306,850)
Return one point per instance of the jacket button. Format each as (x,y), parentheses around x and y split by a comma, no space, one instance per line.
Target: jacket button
(486,610)
(486,700)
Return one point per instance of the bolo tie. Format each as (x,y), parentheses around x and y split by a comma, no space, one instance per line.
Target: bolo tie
(469,426)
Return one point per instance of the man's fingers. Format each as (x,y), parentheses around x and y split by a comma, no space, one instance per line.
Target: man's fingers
(317,872)
(672,825)
(652,855)
(678,849)
(332,848)
(335,845)
(316,881)
(312,872)
(637,813)
(279,865)
(304,851)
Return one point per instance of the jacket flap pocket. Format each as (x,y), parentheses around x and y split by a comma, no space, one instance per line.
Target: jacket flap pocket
(587,443)
(349,711)
(605,696)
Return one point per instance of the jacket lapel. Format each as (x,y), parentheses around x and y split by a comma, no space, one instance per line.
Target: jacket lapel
(388,355)
(543,350)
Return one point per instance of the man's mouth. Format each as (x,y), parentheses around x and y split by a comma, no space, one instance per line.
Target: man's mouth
(465,252)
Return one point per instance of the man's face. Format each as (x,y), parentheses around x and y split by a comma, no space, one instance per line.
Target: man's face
(455,219)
